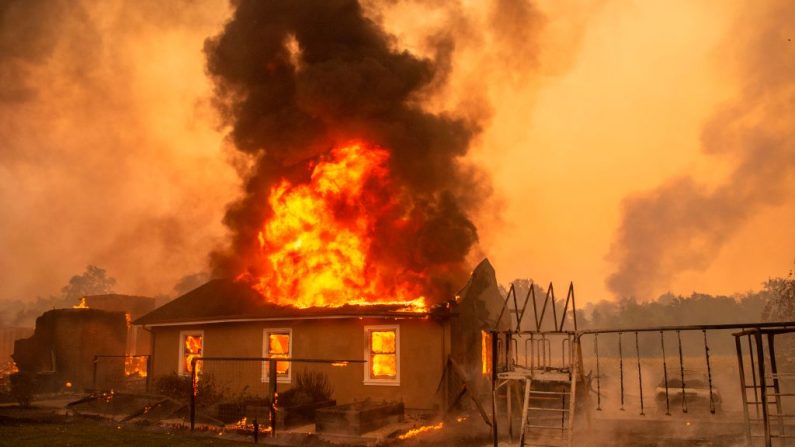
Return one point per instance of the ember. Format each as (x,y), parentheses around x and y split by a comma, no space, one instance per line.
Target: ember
(135,366)
(317,245)
(244,425)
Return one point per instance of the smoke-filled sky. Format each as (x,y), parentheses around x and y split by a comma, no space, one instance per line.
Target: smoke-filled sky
(633,147)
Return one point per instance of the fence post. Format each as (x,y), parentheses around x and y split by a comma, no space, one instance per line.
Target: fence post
(94,374)
(148,372)
(193,391)
(494,364)
(272,377)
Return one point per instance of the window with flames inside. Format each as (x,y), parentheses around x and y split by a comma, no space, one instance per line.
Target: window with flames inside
(192,347)
(383,365)
(277,345)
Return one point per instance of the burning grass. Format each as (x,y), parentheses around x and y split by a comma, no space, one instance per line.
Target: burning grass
(425,428)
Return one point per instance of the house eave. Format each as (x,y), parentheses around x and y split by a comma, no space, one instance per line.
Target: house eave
(394,315)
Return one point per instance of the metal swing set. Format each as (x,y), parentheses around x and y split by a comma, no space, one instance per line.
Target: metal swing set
(555,391)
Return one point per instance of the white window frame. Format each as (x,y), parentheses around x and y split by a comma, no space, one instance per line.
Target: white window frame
(373,381)
(265,342)
(182,334)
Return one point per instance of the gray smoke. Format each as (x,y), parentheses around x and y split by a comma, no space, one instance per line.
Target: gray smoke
(682,224)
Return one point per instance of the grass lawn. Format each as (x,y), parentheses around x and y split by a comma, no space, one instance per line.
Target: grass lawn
(97,434)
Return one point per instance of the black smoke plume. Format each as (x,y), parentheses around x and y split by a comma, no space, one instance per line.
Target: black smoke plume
(293,79)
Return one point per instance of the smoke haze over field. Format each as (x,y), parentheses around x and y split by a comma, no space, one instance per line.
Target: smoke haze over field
(602,126)
(108,152)
(683,224)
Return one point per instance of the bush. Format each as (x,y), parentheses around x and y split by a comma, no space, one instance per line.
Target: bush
(310,386)
(23,386)
(180,387)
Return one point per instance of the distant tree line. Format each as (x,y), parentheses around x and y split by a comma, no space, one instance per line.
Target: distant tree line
(774,302)
(93,281)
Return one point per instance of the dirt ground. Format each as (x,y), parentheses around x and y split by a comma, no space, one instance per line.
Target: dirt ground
(46,426)
(43,427)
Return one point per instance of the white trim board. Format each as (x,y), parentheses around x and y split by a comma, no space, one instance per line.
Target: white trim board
(387,382)
(265,341)
(182,334)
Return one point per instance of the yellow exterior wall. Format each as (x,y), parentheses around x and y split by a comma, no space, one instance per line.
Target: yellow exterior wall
(424,346)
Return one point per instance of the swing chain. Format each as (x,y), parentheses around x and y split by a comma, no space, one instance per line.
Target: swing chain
(665,375)
(640,375)
(598,374)
(709,374)
(621,369)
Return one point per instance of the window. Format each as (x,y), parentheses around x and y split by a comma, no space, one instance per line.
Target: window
(191,344)
(277,343)
(485,352)
(382,355)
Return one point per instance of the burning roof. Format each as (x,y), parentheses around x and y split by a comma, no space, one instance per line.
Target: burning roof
(226,299)
(355,191)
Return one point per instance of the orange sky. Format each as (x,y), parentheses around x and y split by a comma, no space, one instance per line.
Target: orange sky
(131,173)
(625,117)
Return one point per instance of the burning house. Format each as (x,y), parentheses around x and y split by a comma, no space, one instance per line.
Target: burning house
(354,230)
(404,347)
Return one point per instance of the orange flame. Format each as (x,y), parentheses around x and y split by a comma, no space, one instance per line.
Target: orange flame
(279,347)
(193,349)
(81,305)
(383,357)
(316,246)
(244,425)
(425,428)
(135,366)
(485,352)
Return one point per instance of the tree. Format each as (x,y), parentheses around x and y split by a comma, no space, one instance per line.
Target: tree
(781,299)
(94,281)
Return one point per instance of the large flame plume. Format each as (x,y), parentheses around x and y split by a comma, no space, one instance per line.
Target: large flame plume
(355,192)
(317,247)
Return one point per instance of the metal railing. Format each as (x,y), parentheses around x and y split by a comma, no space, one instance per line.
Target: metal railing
(121,372)
(538,356)
(272,380)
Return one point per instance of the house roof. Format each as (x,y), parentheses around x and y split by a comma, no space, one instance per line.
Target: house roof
(225,300)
